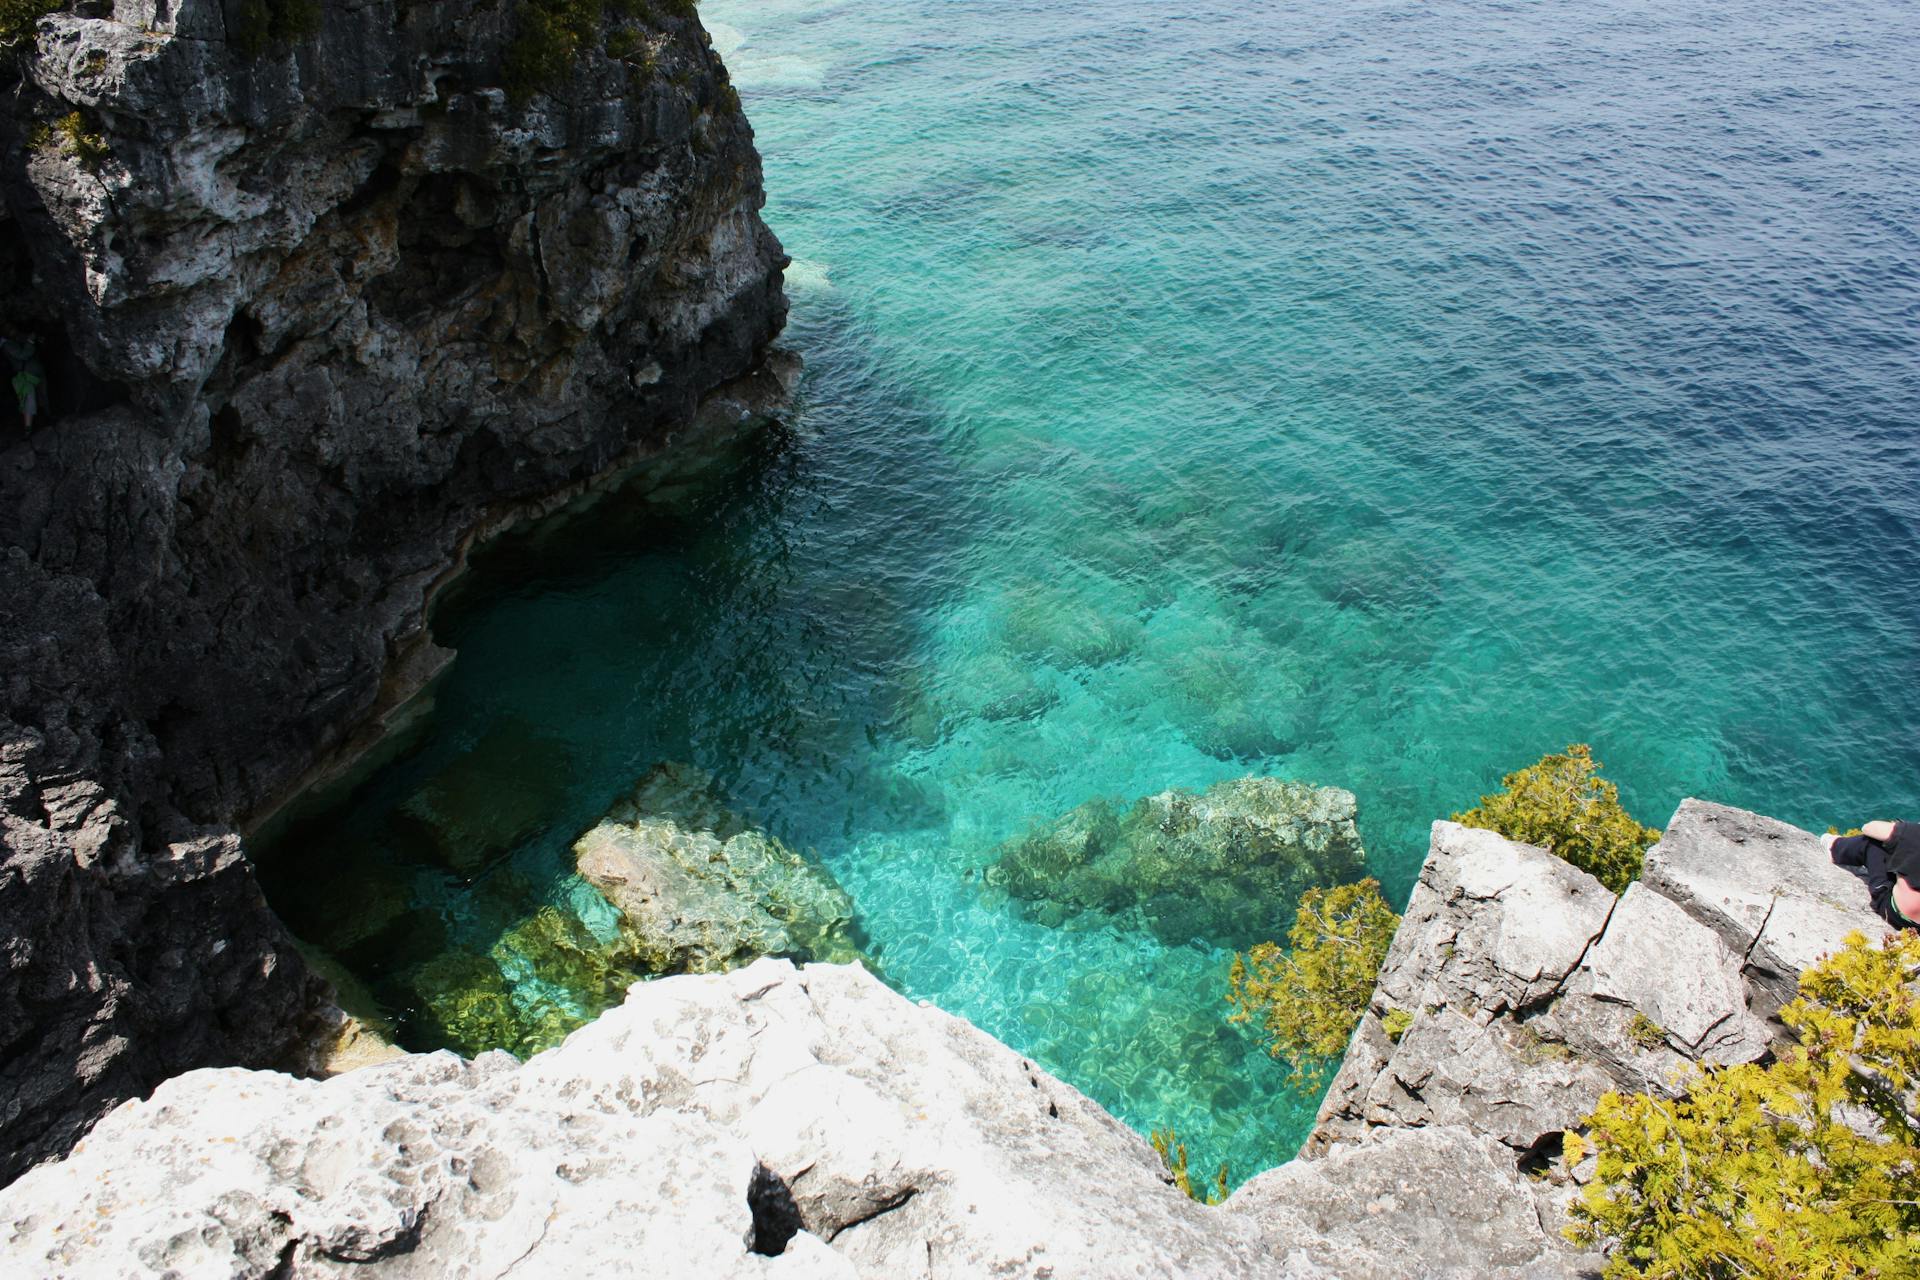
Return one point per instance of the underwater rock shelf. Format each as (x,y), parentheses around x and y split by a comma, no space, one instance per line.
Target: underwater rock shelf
(811,1122)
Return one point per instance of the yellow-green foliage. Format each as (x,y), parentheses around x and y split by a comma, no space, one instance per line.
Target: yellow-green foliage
(1761,1171)
(70,134)
(1645,1032)
(1564,806)
(1396,1023)
(1307,999)
(1173,1154)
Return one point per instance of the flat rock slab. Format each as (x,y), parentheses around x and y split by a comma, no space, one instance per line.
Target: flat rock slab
(1768,889)
(1499,1080)
(1492,925)
(1680,975)
(1449,1200)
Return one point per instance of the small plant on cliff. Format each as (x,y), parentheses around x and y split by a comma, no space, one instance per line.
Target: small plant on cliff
(1805,1169)
(1309,998)
(550,35)
(1563,805)
(1645,1032)
(70,134)
(1173,1154)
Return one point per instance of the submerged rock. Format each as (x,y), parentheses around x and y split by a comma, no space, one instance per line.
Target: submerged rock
(499,792)
(701,890)
(1225,865)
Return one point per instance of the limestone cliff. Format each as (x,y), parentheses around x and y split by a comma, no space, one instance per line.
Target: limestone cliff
(811,1122)
(1531,990)
(316,301)
(761,1123)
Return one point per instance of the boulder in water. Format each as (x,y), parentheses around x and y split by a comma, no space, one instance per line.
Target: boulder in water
(1224,866)
(699,889)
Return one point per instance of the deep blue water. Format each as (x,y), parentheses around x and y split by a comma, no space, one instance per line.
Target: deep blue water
(1378,394)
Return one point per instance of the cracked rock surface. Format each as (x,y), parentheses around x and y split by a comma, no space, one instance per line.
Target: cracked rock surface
(1532,991)
(811,1122)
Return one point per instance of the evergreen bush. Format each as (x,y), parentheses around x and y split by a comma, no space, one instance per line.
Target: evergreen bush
(1308,998)
(1805,1169)
(1563,805)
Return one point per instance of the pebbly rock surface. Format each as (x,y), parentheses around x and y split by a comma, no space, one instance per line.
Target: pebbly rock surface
(699,889)
(1186,865)
(1530,990)
(761,1123)
(318,304)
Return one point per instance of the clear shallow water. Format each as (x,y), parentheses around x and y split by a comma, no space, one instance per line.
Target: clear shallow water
(1379,395)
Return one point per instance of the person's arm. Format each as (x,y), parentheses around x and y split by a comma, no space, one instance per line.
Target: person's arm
(1881,831)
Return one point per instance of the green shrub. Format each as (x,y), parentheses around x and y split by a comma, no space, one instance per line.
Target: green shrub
(70,134)
(1645,1032)
(550,35)
(1173,1154)
(1396,1023)
(1564,806)
(1308,999)
(1804,1169)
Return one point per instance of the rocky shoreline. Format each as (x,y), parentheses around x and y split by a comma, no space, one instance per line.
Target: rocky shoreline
(812,1122)
(315,312)
(319,309)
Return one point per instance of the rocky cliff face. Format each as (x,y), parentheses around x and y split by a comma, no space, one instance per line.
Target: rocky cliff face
(810,1122)
(317,302)
(1530,990)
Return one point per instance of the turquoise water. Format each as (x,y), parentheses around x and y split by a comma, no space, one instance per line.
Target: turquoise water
(1379,395)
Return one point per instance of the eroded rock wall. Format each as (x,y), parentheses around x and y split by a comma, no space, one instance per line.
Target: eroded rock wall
(314,310)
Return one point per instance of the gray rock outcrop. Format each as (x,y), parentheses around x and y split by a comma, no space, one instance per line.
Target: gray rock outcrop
(765,1122)
(318,304)
(1766,888)
(1188,866)
(1527,990)
(699,889)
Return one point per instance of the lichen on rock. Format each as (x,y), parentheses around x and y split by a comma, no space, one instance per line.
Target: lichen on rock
(1224,865)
